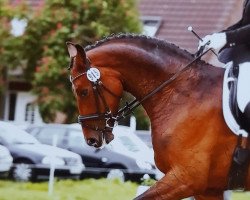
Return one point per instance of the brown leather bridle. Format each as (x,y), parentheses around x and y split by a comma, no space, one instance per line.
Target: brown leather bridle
(98,87)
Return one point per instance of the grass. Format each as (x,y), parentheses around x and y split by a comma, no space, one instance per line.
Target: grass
(241,196)
(89,189)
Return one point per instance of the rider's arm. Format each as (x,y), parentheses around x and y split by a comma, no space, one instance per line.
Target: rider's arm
(239,33)
(238,36)
(235,26)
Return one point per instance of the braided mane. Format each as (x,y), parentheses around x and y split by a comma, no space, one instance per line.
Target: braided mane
(148,39)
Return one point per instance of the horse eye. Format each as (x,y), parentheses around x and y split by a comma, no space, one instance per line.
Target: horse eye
(84,93)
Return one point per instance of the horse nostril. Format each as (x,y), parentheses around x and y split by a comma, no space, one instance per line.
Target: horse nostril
(91,141)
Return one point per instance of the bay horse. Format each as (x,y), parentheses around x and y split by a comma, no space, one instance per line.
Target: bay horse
(192,144)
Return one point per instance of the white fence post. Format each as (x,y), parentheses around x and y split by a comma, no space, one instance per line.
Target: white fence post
(52,168)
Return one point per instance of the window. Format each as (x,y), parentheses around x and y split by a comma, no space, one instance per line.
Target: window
(76,139)
(18,26)
(30,113)
(129,144)
(150,25)
(33,131)
(13,135)
(46,135)
(12,106)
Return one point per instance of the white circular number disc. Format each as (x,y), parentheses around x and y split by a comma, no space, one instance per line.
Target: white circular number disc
(93,74)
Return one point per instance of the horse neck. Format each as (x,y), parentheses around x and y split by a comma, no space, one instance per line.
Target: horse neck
(196,90)
(142,72)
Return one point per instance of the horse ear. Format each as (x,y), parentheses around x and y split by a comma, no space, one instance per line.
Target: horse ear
(75,49)
(71,49)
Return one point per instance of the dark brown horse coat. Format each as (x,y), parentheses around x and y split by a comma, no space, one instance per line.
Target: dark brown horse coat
(193,146)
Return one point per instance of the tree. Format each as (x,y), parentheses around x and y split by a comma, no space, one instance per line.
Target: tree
(41,51)
(9,57)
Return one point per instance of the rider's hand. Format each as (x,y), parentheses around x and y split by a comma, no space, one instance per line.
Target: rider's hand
(215,41)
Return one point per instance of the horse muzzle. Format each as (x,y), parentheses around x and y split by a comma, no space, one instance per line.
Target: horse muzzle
(99,139)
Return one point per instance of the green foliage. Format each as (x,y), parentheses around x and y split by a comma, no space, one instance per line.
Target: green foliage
(142,120)
(8,57)
(41,51)
(148,182)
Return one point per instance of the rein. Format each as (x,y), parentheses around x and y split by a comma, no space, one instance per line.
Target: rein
(107,116)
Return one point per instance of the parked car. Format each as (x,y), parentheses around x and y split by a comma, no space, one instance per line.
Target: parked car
(98,162)
(5,161)
(32,160)
(145,136)
(128,143)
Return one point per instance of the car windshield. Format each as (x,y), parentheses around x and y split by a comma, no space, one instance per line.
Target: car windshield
(76,139)
(129,144)
(13,135)
(123,144)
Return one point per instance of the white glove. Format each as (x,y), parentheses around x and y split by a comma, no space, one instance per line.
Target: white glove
(217,41)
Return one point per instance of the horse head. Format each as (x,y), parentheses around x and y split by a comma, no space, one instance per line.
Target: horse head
(98,91)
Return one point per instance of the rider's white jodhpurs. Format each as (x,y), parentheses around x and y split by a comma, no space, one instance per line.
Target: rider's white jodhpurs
(243,88)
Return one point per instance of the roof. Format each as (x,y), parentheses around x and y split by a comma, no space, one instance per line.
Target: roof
(204,16)
(176,15)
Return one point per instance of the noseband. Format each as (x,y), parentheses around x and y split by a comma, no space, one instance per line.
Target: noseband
(93,76)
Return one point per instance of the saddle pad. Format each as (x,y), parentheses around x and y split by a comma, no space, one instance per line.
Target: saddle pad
(228,116)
